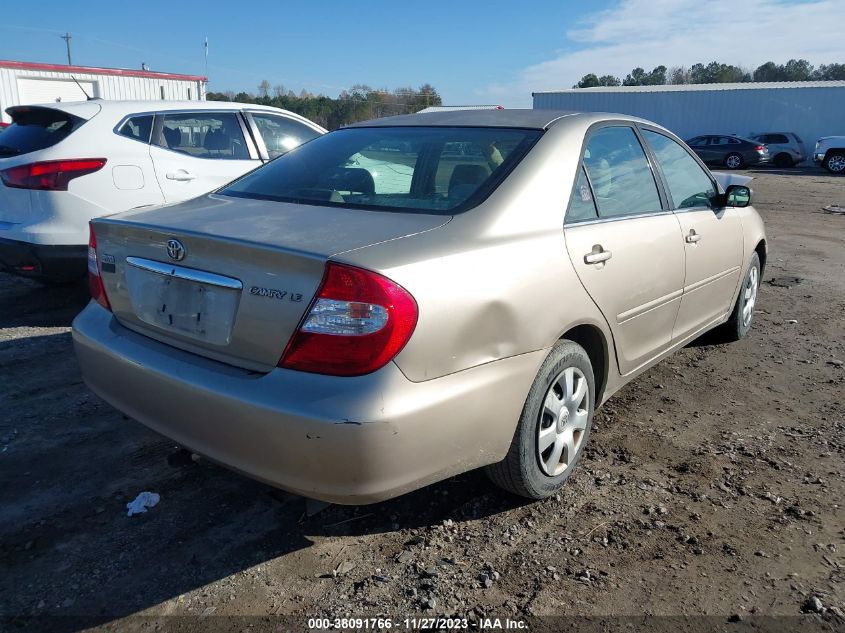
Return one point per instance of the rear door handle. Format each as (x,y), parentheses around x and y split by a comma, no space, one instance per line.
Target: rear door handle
(597,255)
(181,175)
(692,237)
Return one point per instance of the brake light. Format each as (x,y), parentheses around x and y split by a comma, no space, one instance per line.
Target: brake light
(51,175)
(358,322)
(761,148)
(95,280)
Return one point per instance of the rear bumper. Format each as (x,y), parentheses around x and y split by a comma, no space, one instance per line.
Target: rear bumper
(343,440)
(62,262)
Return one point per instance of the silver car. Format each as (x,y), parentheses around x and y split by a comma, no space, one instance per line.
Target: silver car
(350,336)
(785,148)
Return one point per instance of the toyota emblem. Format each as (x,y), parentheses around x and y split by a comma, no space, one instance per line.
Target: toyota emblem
(176,250)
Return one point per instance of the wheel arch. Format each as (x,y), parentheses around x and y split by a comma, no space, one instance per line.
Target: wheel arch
(593,340)
(762,250)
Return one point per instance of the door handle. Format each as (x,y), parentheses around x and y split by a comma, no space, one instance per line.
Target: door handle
(180,175)
(692,237)
(597,255)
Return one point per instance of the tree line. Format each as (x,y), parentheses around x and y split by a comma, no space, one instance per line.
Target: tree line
(359,103)
(716,73)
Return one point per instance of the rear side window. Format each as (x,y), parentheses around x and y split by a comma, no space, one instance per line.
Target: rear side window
(622,180)
(281,134)
(777,138)
(439,170)
(581,206)
(138,128)
(688,183)
(203,135)
(33,129)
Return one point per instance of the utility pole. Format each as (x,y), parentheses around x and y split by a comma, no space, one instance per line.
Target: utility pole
(67,38)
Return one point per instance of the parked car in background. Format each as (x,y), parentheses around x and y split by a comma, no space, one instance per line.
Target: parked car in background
(63,164)
(733,152)
(830,153)
(351,339)
(786,149)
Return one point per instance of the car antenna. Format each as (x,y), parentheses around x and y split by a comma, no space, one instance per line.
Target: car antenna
(88,97)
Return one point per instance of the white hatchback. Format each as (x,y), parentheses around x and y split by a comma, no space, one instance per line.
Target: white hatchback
(64,164)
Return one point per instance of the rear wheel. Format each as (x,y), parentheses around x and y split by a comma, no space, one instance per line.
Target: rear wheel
(743,313)
(554,426)
(784,160)
(835,163)
(734,161)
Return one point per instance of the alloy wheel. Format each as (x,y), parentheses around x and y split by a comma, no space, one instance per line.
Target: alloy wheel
(836,163)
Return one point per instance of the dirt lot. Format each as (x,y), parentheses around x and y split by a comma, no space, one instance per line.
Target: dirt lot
(713,485)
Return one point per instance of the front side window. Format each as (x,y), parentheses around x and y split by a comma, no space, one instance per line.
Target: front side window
(622,180)
(427,169)
(282,134)
(203,135)
(138,128)
(688,183)
(581,206)
(697,141)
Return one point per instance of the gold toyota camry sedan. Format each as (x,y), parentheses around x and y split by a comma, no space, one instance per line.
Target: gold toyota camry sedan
(413,297)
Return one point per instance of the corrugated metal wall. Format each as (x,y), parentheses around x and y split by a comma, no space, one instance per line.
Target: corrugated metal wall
(105,87)
(810,112)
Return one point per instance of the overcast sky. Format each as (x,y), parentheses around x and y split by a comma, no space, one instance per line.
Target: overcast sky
(472,51)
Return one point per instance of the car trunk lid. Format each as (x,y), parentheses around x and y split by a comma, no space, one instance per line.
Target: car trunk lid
(230,278)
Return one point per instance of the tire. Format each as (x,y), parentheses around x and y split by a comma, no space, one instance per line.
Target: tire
(835,162)
(734,160)
(784,160)
(739,323)
(528,472)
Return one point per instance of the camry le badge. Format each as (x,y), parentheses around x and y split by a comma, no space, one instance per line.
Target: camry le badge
(176,250)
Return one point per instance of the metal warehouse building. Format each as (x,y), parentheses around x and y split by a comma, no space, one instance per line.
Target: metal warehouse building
(811,109)
(24,83)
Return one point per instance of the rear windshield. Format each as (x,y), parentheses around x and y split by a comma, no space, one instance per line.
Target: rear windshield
(426,169)
(36,128)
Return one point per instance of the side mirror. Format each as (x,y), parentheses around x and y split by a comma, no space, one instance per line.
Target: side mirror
(738,196)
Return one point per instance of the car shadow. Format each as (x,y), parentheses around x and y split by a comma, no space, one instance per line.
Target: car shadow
(800,170)
(28,303)
(71,463)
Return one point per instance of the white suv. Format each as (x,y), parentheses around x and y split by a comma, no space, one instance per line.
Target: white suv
(64,164)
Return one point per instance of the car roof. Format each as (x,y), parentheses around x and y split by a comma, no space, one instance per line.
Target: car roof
(516,118)
(121,108)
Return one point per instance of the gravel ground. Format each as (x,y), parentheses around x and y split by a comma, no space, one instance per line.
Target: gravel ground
(713,485)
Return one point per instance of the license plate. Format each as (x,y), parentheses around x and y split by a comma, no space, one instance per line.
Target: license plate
(200,311)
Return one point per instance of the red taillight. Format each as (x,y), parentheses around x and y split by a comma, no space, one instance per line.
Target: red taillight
(358,322)
(760,148)
(51,175)
(95,280)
